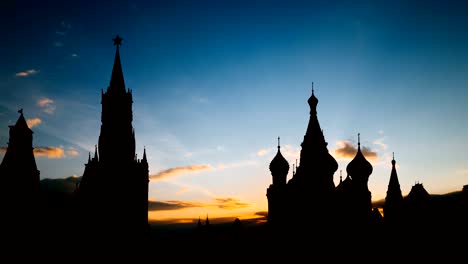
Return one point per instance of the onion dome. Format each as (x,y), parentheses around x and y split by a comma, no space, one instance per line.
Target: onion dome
(279,167)
(359,166)
(313,101)
(330,163)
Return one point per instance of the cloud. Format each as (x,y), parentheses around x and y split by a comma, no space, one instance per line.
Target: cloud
(27,73)
(180,170)
(291,153)
(33,122)
(49,152)
(347,151)
(262,213)
(58,44)
(171,205)
(230,203)
(47,105)
(63,29)
(72,152)
(74,55)
(263,152)
(379,142)
(200,100)
(183,190)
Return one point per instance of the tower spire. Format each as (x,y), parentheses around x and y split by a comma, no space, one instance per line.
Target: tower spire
(95,153)
(144,155)
(117,82)
(359,140)
(278,142)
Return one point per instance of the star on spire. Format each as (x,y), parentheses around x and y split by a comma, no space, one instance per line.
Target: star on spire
(117,41)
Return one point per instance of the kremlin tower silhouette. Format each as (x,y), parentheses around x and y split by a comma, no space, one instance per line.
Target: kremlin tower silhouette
(19,177)
(113,192)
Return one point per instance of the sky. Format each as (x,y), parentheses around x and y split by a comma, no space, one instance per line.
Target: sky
(216,82)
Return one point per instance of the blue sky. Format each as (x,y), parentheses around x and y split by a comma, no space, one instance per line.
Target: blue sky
(216,82)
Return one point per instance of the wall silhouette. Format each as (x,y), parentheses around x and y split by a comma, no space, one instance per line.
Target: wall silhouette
(114,172)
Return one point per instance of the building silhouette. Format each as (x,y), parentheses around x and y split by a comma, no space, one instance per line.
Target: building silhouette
(311,190)
(19,176)
(113,192)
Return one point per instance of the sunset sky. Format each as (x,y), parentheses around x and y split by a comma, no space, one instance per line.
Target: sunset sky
(216,82)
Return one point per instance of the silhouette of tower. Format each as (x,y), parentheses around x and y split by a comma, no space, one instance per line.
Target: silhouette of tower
(393,207)
(19,175)
(317,167)
(276,193)
(359,169)
(114,181)
(311,188)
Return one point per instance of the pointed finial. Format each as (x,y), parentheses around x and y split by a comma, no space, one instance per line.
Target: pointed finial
(312,87)
(20,111)
(278,142)
(89,156)
(117,41)
(294,172)
(359,139)
(95,152)
(144,153)
(393,154)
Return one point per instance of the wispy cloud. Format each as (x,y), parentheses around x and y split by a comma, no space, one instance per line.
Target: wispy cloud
(63,29)
(47,105)
(58,44)
(50,152)
(33,122)
(72,152)
(230,203)
(181,170)
(74,55)
(347,151)
(55,152)
(263,152)
(200,100)
(291,153)
(182,190)
(380,143)
(27,73)
(171,205)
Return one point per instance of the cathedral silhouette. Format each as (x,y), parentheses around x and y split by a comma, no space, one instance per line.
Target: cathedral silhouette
(113,192)
(310,201)
(312,188)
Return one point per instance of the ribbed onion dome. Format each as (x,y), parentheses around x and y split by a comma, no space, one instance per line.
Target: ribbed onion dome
(359,165)
(279,165)
(330,163)
(313,101)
